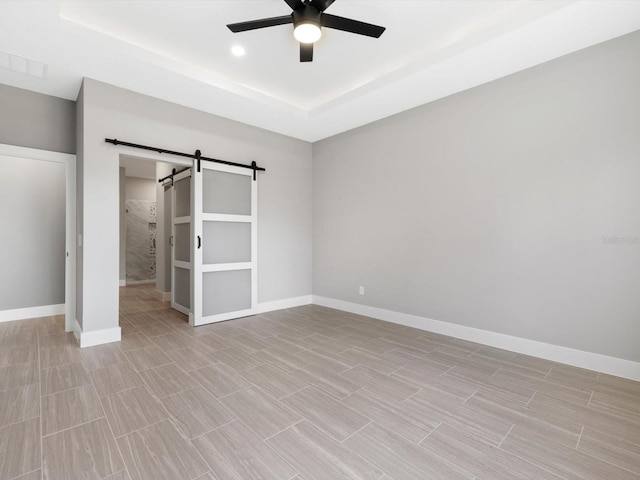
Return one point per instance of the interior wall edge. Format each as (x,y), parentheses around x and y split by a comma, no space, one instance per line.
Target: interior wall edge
(578,358)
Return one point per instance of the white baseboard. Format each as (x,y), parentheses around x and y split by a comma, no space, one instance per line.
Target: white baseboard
(31,312)
(284,303)
(97,337)
(137,282)
(77,330)
(162,296)
(556,353)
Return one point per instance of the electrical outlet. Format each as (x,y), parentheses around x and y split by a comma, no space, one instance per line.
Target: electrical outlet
(361,290)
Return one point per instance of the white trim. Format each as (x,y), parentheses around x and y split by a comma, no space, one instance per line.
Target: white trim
(578,358)
(35,154)
(70,244)
(221,317)
(225,217)
(122,283)
(221,167)
(196,311)
(97,337)
(184,174)
(31,312)
(254,240)
(77,330)
(224,267)
(181,308)
(138,282)
(273,305)
(162,296)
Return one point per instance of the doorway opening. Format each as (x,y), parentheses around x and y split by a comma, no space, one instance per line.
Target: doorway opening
(193,235)
(144,229)
(38,203)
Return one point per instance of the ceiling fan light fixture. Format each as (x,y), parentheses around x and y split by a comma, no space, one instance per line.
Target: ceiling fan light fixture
(308,18)
(307,32)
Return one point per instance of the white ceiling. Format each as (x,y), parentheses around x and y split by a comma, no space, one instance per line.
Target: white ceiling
(179,51)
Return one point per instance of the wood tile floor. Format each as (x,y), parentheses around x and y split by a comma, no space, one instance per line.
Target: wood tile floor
(300,394)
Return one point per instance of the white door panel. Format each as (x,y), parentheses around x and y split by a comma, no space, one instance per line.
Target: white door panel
(181,242)
(224,243)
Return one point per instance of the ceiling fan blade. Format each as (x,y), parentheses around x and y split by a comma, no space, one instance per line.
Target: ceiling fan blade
(261,23)
(306,52)
(294,3)
(321,5)
(353,26)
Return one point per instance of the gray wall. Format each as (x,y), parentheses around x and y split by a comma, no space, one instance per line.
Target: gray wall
(34,120)
(284,191)
(140,189)
(32,208)
(492,208)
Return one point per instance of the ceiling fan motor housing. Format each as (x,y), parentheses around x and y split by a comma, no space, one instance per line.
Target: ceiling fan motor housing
(308,14)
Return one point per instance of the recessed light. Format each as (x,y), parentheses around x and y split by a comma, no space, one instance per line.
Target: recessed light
(238,51)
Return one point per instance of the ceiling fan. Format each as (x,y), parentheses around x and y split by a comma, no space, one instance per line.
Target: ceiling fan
(308,17)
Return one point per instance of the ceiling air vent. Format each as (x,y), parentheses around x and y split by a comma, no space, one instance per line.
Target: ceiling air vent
(24,65)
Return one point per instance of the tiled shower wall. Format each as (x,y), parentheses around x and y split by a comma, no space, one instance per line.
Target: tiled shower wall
(141,241)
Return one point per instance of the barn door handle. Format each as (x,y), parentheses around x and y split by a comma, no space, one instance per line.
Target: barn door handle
(199,241)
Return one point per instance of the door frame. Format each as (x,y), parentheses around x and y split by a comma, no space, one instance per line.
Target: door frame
(69,160)
(178,263)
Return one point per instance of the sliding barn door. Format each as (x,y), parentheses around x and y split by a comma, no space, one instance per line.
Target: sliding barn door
(224,243)
(181,242)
